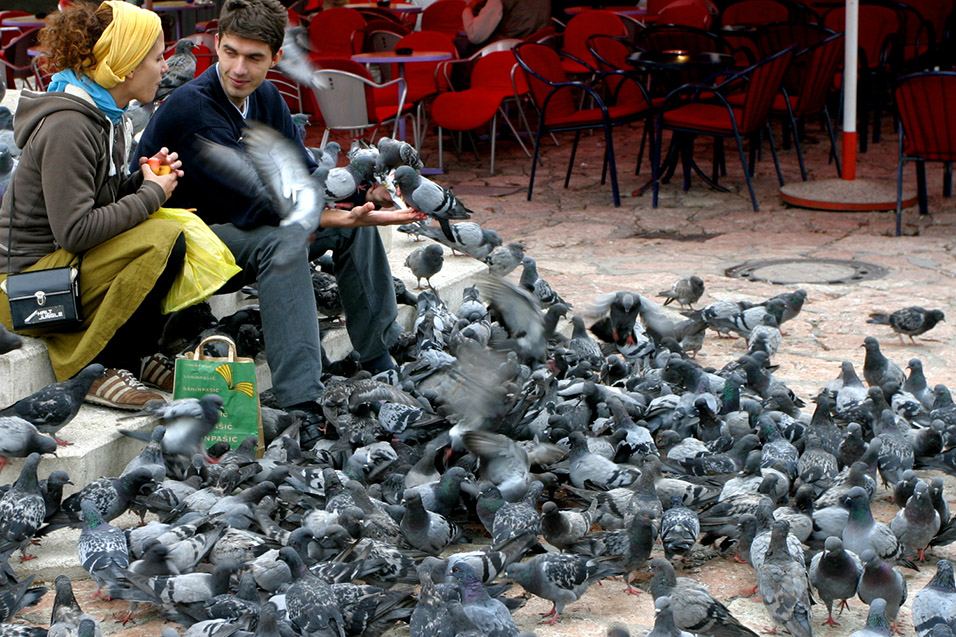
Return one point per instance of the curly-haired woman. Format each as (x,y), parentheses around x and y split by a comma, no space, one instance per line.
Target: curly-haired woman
(73,195)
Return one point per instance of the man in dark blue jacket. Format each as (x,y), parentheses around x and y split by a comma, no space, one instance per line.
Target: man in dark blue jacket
(215,106)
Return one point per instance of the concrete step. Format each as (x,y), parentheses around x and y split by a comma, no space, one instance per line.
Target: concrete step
(98,449)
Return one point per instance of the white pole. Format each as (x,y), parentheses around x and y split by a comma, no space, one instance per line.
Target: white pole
(849,88)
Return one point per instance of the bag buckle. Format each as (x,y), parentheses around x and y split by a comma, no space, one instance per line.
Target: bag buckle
(40,296)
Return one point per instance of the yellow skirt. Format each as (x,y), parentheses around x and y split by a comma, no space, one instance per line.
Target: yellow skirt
(115,277)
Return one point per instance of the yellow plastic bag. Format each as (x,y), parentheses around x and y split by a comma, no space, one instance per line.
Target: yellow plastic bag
(208,264)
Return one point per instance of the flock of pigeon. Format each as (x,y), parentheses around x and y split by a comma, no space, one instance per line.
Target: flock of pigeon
(571,459)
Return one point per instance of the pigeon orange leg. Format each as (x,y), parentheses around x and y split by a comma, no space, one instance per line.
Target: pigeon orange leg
(920,555)
(62,443)
(551,613)
(630,590)
(843,605)
(830,621)
(739,559)
(553,620)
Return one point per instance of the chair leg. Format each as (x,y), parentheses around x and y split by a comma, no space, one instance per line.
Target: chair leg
(534,159)
(640,151)
(752,155)
(948,179)
(441,165)
(796,143)
(833,152)
(773,153)
(325,138)
(743,162)
(656,161)
(899,186)
(686,156)
(574,150)
(514,131)
(921,187)
(494,132)
(609,158)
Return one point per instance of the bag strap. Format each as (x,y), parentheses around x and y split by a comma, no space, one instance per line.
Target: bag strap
(198,355)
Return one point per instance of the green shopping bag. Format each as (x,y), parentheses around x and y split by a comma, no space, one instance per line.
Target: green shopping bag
(234,379)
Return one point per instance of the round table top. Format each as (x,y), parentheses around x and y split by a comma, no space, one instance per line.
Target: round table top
(677,60)
(630,10)
(395,7)
(386,57)
(23,21)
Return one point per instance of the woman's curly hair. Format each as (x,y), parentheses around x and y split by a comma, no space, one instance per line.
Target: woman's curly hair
(70,35)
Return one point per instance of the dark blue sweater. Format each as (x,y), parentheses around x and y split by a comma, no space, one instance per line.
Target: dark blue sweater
(200,108)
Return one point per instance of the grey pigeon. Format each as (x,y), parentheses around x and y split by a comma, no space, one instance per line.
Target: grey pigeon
(151,456)
(102,548)
(488,562)
(876,622)
(66,615)
(585,347)
(188,421)
(628,548)
(562,528)
(111,497)
(878,370)
(393,153)
(664,625)
(896,454)
(466,237)
(8,340)
(22,510)
(686,291)
(881,580)
(489,615)
(516,518)
(344,181)
(935,603)
(426,531)
(783,584)
(679,529)
(273,168)
(693,607)
(182,68)
(430,615)
(912,321)
(426,196)
(310,602)
(622,309)
(862,532)
(792,303)
(328,156)
(19,438)
(425,262)
(520,315)
(589,468)
(531,281)
(295,58)
(15,596)
(560,577)
(503,260)
(916,524)
(835,573)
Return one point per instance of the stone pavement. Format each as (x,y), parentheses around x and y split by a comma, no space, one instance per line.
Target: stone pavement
(585,247)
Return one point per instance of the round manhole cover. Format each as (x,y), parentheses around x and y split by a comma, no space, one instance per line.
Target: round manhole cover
(789,271)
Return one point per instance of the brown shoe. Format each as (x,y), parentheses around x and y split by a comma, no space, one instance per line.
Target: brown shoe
(159,371)
(119,388)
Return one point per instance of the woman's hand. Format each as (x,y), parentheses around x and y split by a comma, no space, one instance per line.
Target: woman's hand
(162,159)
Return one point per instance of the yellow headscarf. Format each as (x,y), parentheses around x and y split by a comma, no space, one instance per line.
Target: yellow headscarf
(124,43)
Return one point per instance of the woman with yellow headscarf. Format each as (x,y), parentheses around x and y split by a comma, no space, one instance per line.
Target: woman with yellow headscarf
(72,194)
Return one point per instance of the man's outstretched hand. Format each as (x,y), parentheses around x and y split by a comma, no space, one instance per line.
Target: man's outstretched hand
(367,215)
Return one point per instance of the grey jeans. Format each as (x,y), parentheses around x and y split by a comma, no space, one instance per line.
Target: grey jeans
(289,318)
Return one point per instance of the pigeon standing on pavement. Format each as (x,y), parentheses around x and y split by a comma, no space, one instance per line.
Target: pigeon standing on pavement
(562,528)
(679,529)
(912,321)
(426,531)
(542,290)
(559,577)
(686,291)
(881,580)
(835,573)
(22,510)
(54,406)
(694,608)
(876,623)
(182,68)
(935,603)
(862,532)
(916,524)
(102,548)
(18,595)
(664,625)
(425,262)
(490,616)
(878,370)
(310,602)
(784,586)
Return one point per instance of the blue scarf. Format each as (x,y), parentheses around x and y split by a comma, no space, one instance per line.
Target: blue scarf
(101,97)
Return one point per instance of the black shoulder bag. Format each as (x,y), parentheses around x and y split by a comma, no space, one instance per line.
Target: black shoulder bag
(42,299)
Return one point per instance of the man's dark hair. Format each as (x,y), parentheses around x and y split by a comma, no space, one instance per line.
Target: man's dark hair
(260,20)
